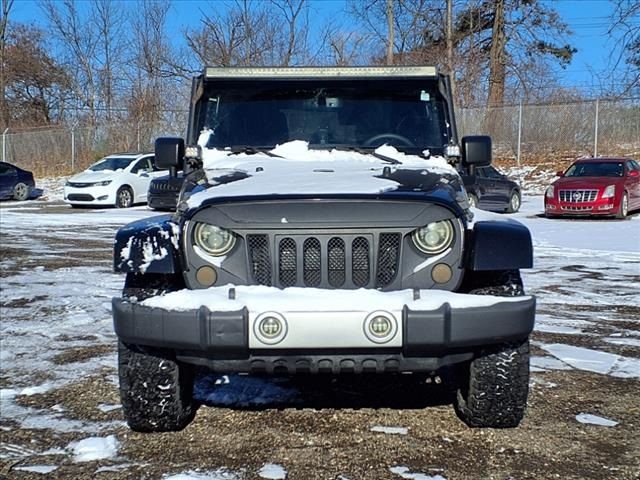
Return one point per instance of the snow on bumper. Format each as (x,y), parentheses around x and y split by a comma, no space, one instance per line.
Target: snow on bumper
(304,319)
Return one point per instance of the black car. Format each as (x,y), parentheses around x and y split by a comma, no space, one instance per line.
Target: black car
(489,189)
(164,192)
(15,183)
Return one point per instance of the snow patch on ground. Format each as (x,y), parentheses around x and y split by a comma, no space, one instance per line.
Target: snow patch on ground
(390,430)
(42,469)
(219,474)
(595,420)
(94,448)
(595,361)
(404,472)
(272,471)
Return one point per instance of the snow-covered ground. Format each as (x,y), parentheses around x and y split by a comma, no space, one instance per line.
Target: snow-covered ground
(55,327)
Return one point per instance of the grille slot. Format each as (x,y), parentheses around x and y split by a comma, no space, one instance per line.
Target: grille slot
(312,262)
(578,196)
(287,262)
(336,262)
(388,258)
(259,258)
(360,262)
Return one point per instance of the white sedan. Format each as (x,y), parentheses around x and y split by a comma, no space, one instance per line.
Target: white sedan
(121,179)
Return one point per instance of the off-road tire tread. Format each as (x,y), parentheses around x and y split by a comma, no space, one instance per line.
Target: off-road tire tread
(497,389)
(156,391)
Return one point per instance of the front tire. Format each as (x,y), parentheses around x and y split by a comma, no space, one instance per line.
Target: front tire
(124,197)
(494,387)
(514,202)
(623,211)
(156,391)
(20,192)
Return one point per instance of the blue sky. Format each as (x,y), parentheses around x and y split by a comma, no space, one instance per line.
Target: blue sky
(588,19)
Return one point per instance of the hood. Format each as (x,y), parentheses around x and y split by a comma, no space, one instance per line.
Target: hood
(302,173)
(586,182)
(89,176)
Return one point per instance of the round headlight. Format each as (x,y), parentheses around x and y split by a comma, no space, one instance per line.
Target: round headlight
(213,240)
(434,238)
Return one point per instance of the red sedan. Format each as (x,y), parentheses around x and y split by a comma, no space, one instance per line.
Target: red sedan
(595,186)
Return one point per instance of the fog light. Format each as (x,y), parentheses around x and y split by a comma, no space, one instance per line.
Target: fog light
(270,328)
(206,276)
(441,273)
(103,197)
(380,327)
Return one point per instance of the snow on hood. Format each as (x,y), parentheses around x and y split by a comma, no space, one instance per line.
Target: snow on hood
(305,171)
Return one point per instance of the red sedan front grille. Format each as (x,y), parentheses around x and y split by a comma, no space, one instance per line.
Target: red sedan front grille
(578,196)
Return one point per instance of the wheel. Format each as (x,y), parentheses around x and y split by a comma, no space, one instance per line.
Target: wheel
(124,197)
(492,388)
(473,201)
(156,391)
(20,192)
(514,202)
(374,141)
(624,207)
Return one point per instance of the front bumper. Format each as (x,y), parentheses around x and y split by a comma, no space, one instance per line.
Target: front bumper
(163,201)
(600,207)
(100,195)
(225,341)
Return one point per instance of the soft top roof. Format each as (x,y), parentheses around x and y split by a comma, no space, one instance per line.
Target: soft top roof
(302,73)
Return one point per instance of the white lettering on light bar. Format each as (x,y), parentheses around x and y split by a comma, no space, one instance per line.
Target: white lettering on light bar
(324,72)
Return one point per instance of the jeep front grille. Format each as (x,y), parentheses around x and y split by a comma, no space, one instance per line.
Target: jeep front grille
(326,261)
(578,196)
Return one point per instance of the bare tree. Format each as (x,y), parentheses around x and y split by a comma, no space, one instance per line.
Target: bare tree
(36,87)
(79,45)
(4,21)
(626,24)
(108,19)
(252,33)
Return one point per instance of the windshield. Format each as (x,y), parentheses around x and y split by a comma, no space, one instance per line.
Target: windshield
(111,163)
(357,114)
(596,169)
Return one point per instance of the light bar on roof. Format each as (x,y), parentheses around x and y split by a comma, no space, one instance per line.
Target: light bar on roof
(322,72)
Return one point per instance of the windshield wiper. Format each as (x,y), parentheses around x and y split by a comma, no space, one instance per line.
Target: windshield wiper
(251,150)
(371,152)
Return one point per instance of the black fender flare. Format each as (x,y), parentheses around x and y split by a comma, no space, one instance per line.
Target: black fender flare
(150,245)
(499,245)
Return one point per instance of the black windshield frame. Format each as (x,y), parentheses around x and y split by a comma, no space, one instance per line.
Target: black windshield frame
(411,115)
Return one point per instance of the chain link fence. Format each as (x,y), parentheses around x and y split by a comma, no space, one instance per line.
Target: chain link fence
(524,134)
(64,150)
(531,134)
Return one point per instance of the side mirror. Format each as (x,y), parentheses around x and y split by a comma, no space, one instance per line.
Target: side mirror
(169,153)
(559,173)
(476,151)
(634,173)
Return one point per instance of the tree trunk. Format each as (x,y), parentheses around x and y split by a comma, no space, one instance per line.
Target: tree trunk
(497,57)
(390,32)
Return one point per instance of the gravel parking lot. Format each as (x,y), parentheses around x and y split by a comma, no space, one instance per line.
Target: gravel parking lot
(60,411)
